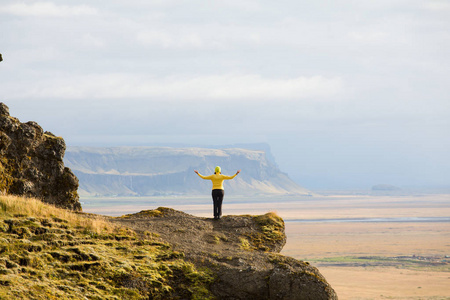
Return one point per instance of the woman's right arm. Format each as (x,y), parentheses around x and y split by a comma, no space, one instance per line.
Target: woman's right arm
(201,176)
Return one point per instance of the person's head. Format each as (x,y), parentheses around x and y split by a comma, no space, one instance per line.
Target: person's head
(217,170)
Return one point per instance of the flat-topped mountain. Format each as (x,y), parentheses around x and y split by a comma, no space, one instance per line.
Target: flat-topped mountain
(151,171)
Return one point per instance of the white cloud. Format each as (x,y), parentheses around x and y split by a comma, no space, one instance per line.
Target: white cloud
(47,9)
(88,40)
(437,5)
(377,68)
(167,40)
(227,87)
(198,37)
(375,37)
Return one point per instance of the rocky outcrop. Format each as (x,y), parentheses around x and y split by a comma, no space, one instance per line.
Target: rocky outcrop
(31,163)
(241,251)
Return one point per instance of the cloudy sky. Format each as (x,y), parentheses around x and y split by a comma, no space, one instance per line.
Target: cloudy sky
(347,93)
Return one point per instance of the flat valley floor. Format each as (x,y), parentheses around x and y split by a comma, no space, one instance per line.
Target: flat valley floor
(366,246)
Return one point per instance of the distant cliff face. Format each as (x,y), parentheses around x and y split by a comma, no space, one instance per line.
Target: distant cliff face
(31,163)
(149,171)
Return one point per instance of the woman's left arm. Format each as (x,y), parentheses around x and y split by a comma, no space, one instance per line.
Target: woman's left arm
(231,177)
(201,176)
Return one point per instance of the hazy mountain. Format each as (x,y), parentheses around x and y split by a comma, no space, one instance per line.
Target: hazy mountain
(385,187)
(148,171)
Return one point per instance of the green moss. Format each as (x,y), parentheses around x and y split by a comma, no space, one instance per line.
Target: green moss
(271,232)
(305,270)
(279,260)
(144,213)
(245,244)
(6,179)
(52,137)
(57,259)
(159,212)
(13,119)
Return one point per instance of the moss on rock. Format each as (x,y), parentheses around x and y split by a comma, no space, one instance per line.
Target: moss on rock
(79,261)
(31,163)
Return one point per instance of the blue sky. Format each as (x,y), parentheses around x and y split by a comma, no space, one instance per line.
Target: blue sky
(348,94)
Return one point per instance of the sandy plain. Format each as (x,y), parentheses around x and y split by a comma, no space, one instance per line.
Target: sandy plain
(366,246)
(376,260)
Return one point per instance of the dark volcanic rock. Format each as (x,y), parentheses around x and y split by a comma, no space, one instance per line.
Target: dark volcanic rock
(31,163)
(241,251)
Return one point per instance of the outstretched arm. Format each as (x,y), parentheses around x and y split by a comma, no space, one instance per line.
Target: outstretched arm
(201,176)
(231,177)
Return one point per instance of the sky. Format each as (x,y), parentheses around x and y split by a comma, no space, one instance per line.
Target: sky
(348,94)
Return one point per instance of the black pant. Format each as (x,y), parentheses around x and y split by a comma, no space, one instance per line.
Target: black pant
(217,196)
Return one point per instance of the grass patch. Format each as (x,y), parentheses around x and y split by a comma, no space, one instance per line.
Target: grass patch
(52,253)
(245,244)
(270,234)
(14,206)
(159,212)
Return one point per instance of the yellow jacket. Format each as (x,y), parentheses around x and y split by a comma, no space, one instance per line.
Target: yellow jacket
(217,180)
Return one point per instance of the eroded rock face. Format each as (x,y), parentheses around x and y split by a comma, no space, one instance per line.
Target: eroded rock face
(241,251)
(154,171)
(31,163)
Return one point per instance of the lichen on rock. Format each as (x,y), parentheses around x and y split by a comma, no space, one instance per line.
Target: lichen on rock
(31,163)
(242,251)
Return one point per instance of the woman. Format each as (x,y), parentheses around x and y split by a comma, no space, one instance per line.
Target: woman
(217,189)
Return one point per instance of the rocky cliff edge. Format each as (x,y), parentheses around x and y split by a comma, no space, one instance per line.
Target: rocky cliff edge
(243,252)
(31,163)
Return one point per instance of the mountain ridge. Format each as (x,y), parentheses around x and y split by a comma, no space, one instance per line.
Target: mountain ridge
(155,170)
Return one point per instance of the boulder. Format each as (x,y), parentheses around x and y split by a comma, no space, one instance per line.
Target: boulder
(241,251)
(31,163)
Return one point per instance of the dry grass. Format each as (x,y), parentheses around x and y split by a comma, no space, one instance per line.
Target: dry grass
(11,206)
(51,253)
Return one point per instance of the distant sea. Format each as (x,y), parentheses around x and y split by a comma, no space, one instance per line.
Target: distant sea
(200,206)
(292,208)
(376,220)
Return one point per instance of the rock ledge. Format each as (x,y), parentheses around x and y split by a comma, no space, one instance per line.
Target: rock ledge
(242,251)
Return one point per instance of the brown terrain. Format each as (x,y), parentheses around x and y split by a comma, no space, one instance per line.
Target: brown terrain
(362,260)
(242,251)
(385,260)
